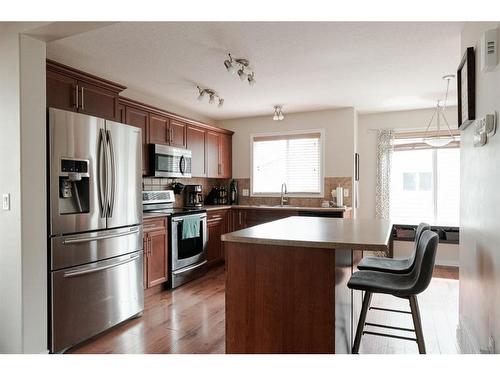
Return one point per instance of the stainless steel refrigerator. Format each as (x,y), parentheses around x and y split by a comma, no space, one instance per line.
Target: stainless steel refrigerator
(95,226)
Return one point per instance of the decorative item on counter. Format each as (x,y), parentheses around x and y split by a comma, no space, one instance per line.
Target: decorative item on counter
(325,204)
(177,187)
(233,192)
(218,195)
(338,197)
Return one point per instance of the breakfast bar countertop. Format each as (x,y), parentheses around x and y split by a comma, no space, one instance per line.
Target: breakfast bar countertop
(317,232)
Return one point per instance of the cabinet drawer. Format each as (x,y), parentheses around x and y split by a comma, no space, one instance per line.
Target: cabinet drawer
(150,225)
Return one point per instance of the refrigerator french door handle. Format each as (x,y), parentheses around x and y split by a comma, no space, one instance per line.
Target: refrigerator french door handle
(92,269)
(80,239)
(102,178)
(112,174)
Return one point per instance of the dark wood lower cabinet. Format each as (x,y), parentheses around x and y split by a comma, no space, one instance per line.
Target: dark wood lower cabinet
(218,224)
(155,252)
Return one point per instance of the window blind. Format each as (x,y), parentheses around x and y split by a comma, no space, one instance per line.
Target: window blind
(294,159)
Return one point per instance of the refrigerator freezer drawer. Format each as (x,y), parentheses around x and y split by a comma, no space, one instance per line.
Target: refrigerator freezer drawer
(77,249)
(89,299)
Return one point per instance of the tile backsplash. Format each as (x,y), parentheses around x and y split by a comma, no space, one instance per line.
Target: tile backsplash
(151,183)
(330,184)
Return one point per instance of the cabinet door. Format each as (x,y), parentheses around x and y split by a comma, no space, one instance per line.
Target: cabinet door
(158,132)
(96,101)
(177,134)
(61,91)
(213,165)
(214,246)
(225,165)
(195,138)
(157,259)
(139,118)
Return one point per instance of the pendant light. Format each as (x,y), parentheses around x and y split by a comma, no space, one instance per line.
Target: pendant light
(278,113)
(440,140)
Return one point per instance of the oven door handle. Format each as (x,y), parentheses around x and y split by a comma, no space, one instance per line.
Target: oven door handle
(189,268)
(177,219)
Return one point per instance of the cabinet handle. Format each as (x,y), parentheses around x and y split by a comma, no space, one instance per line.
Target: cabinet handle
(171,135)
(218,168)
(167,134)
(76,96)
(83,106)
(149,246)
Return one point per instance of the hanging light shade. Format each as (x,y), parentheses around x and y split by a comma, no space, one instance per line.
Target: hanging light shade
(440,138)
(278,113)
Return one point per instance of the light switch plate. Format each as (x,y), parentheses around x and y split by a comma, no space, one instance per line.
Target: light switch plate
(245,192)
(346,193)
(6,201)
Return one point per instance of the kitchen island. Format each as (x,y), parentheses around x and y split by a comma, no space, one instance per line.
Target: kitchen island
(286,283)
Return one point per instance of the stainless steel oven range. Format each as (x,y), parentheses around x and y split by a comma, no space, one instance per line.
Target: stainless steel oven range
(188,253)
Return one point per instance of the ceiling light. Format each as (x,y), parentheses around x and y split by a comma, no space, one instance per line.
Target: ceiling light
(278,113)
(212,95)
(251,79)
(242,67)
(440,139)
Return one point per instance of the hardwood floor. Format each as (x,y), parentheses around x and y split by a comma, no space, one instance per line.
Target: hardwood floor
(190,319)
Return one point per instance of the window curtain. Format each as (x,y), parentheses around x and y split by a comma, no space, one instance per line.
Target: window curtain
(385,148)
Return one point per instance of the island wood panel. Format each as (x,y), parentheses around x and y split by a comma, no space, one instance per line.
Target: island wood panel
(265,284)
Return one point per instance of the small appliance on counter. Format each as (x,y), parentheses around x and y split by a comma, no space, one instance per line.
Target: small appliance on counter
(338,197)
(193,195)
(188,248)
(233,192)
(218,195)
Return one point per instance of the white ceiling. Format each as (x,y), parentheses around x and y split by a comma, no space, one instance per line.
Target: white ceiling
(304,66)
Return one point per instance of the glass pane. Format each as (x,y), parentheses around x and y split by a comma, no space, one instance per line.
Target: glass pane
(425,181)
(409,181)
(410,205)
(448,186)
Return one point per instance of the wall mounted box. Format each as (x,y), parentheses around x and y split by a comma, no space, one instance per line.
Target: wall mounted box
(489,50)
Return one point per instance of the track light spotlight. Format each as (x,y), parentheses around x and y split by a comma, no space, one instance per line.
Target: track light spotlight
(242,67)
(212,95)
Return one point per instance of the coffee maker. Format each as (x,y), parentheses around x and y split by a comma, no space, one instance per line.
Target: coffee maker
(193,195)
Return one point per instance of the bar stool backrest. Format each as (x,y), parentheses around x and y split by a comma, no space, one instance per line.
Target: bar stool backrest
(420,229)
(424,261)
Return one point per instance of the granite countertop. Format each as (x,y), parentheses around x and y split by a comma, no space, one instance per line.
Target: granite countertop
(217,207)
(293,208)
(318,232)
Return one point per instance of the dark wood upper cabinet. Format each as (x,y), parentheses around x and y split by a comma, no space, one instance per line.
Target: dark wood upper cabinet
(140,119)
(158,130)
(213,166)
(96,101)
(177,134)
(61,91)
(121,112)
(77,91)
(196,139)
(225,156)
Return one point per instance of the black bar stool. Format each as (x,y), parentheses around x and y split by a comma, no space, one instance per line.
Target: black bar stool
(393,265)
(405,286)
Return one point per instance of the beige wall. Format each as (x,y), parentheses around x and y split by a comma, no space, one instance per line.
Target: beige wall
(479,215)
(23,252)
(339,137)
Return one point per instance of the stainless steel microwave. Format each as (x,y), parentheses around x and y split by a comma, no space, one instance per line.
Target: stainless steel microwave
(167,161)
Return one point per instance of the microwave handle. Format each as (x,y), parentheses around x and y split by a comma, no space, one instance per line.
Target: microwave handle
(182,164)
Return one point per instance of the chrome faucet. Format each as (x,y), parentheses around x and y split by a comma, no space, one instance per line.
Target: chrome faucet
(284,200)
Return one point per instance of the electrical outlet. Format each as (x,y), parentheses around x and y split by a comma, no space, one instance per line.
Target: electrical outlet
(245,193)
(6,201)
(346,193)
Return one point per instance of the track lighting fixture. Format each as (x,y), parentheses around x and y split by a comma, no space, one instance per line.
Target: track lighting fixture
(278,113)
(212,95)
(242,67)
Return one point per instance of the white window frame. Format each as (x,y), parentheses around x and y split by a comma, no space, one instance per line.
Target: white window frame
(322,162)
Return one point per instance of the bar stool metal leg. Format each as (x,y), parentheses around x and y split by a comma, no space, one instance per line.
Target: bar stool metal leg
(415,314)
(361,322)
